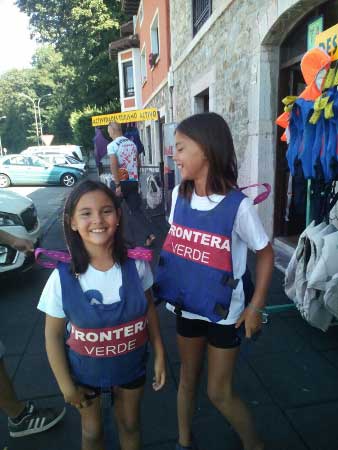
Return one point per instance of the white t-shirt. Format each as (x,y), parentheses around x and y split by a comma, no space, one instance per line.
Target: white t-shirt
(98,286)
(126,154)
(248,232)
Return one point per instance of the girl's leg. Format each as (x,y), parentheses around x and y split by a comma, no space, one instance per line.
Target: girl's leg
(92,429)
(8,399)
(127,412)
(221,364)
(191,352)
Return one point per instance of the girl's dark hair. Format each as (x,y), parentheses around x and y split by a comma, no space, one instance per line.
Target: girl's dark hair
(211,132)
(78,252)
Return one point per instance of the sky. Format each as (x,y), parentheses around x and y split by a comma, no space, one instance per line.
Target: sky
(16,47)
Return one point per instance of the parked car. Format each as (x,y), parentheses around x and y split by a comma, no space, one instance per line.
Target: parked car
(63,160)
(18,217)
(27,170)
(71,150)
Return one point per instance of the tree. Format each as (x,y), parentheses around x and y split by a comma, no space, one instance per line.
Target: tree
(81,123)
(48,75)
(81,31)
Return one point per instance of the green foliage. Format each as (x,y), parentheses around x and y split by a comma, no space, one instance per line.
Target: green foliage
(73,65)
(82,127)
(81,31)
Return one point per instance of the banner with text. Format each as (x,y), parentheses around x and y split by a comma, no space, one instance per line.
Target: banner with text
(139,115)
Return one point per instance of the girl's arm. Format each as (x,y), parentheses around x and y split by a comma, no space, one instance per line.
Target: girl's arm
(55,347)
(252,316)
(156,342)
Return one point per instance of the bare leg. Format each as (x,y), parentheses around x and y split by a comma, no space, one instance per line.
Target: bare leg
(92,430)
(127,413)
(8,400)
(221,364)
(191,353)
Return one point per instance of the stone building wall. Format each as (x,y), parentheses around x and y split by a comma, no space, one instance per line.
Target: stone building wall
(236,56)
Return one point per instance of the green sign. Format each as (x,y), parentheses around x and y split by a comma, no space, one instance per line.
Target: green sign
(313,28)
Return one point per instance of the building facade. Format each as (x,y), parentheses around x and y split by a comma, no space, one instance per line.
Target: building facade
(239,59)
(143,54)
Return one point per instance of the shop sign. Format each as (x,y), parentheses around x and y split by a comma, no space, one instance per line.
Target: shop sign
(313,28)
(138,115)
(328,40)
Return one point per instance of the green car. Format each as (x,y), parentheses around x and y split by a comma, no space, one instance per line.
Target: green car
(32,170)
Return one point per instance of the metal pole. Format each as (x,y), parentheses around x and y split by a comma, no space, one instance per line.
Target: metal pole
(39,113)
(36,123)
(35,115)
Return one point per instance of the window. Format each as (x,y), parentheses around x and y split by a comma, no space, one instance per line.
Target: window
(154,37)
(36,162)
(128,79)
(143,66)
(18,161)
(201,12)
(202,101)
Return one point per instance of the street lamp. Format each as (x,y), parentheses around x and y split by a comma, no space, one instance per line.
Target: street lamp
(35,116)
(2,117)
(39,100)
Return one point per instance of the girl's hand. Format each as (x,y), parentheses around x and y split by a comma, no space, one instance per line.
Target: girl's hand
(78,396)
(252,321)
(159,373)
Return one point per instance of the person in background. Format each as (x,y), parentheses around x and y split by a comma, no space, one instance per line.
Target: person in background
(124,163)
(24,418)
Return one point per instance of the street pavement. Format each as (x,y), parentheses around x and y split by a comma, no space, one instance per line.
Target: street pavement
(289,377)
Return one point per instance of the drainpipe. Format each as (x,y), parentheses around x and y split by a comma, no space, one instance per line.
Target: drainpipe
(171,89)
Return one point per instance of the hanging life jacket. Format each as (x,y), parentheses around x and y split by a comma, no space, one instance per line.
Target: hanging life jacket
(106,345)
(195,271)
(332,145)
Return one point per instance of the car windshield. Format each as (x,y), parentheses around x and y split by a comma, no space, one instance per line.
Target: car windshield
(72,160)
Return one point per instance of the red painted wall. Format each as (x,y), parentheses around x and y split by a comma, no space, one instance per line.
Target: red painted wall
(160,70)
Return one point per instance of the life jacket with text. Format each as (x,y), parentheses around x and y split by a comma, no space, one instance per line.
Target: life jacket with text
(106,344)
(195,271)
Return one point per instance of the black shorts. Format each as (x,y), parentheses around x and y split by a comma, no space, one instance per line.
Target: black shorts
(220,336)
(135,384)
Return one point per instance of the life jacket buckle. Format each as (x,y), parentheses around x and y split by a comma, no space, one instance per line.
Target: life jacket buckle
(221,311)
(229,281)
(178,309)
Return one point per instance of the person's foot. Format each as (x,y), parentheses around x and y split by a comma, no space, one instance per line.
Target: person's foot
(34,420)
(150,240)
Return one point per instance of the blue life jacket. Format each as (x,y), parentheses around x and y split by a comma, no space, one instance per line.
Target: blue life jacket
(195,269)
(331,159)
(106,345)
(308,133)
(298,119)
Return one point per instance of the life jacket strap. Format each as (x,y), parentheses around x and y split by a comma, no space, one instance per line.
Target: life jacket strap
(178,309)
(229,281)
(221,311)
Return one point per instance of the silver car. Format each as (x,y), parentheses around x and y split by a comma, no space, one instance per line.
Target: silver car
(18,217)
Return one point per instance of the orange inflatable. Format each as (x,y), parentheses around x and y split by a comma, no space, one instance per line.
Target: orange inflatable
(314,66)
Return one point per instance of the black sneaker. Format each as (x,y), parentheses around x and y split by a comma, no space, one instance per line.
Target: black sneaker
(35,421)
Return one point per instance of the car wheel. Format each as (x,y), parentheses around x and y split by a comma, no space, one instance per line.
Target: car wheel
(4,181)
(68,180)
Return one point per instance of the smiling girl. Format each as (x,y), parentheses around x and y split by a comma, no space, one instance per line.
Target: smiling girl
(201,267)
(102,303)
